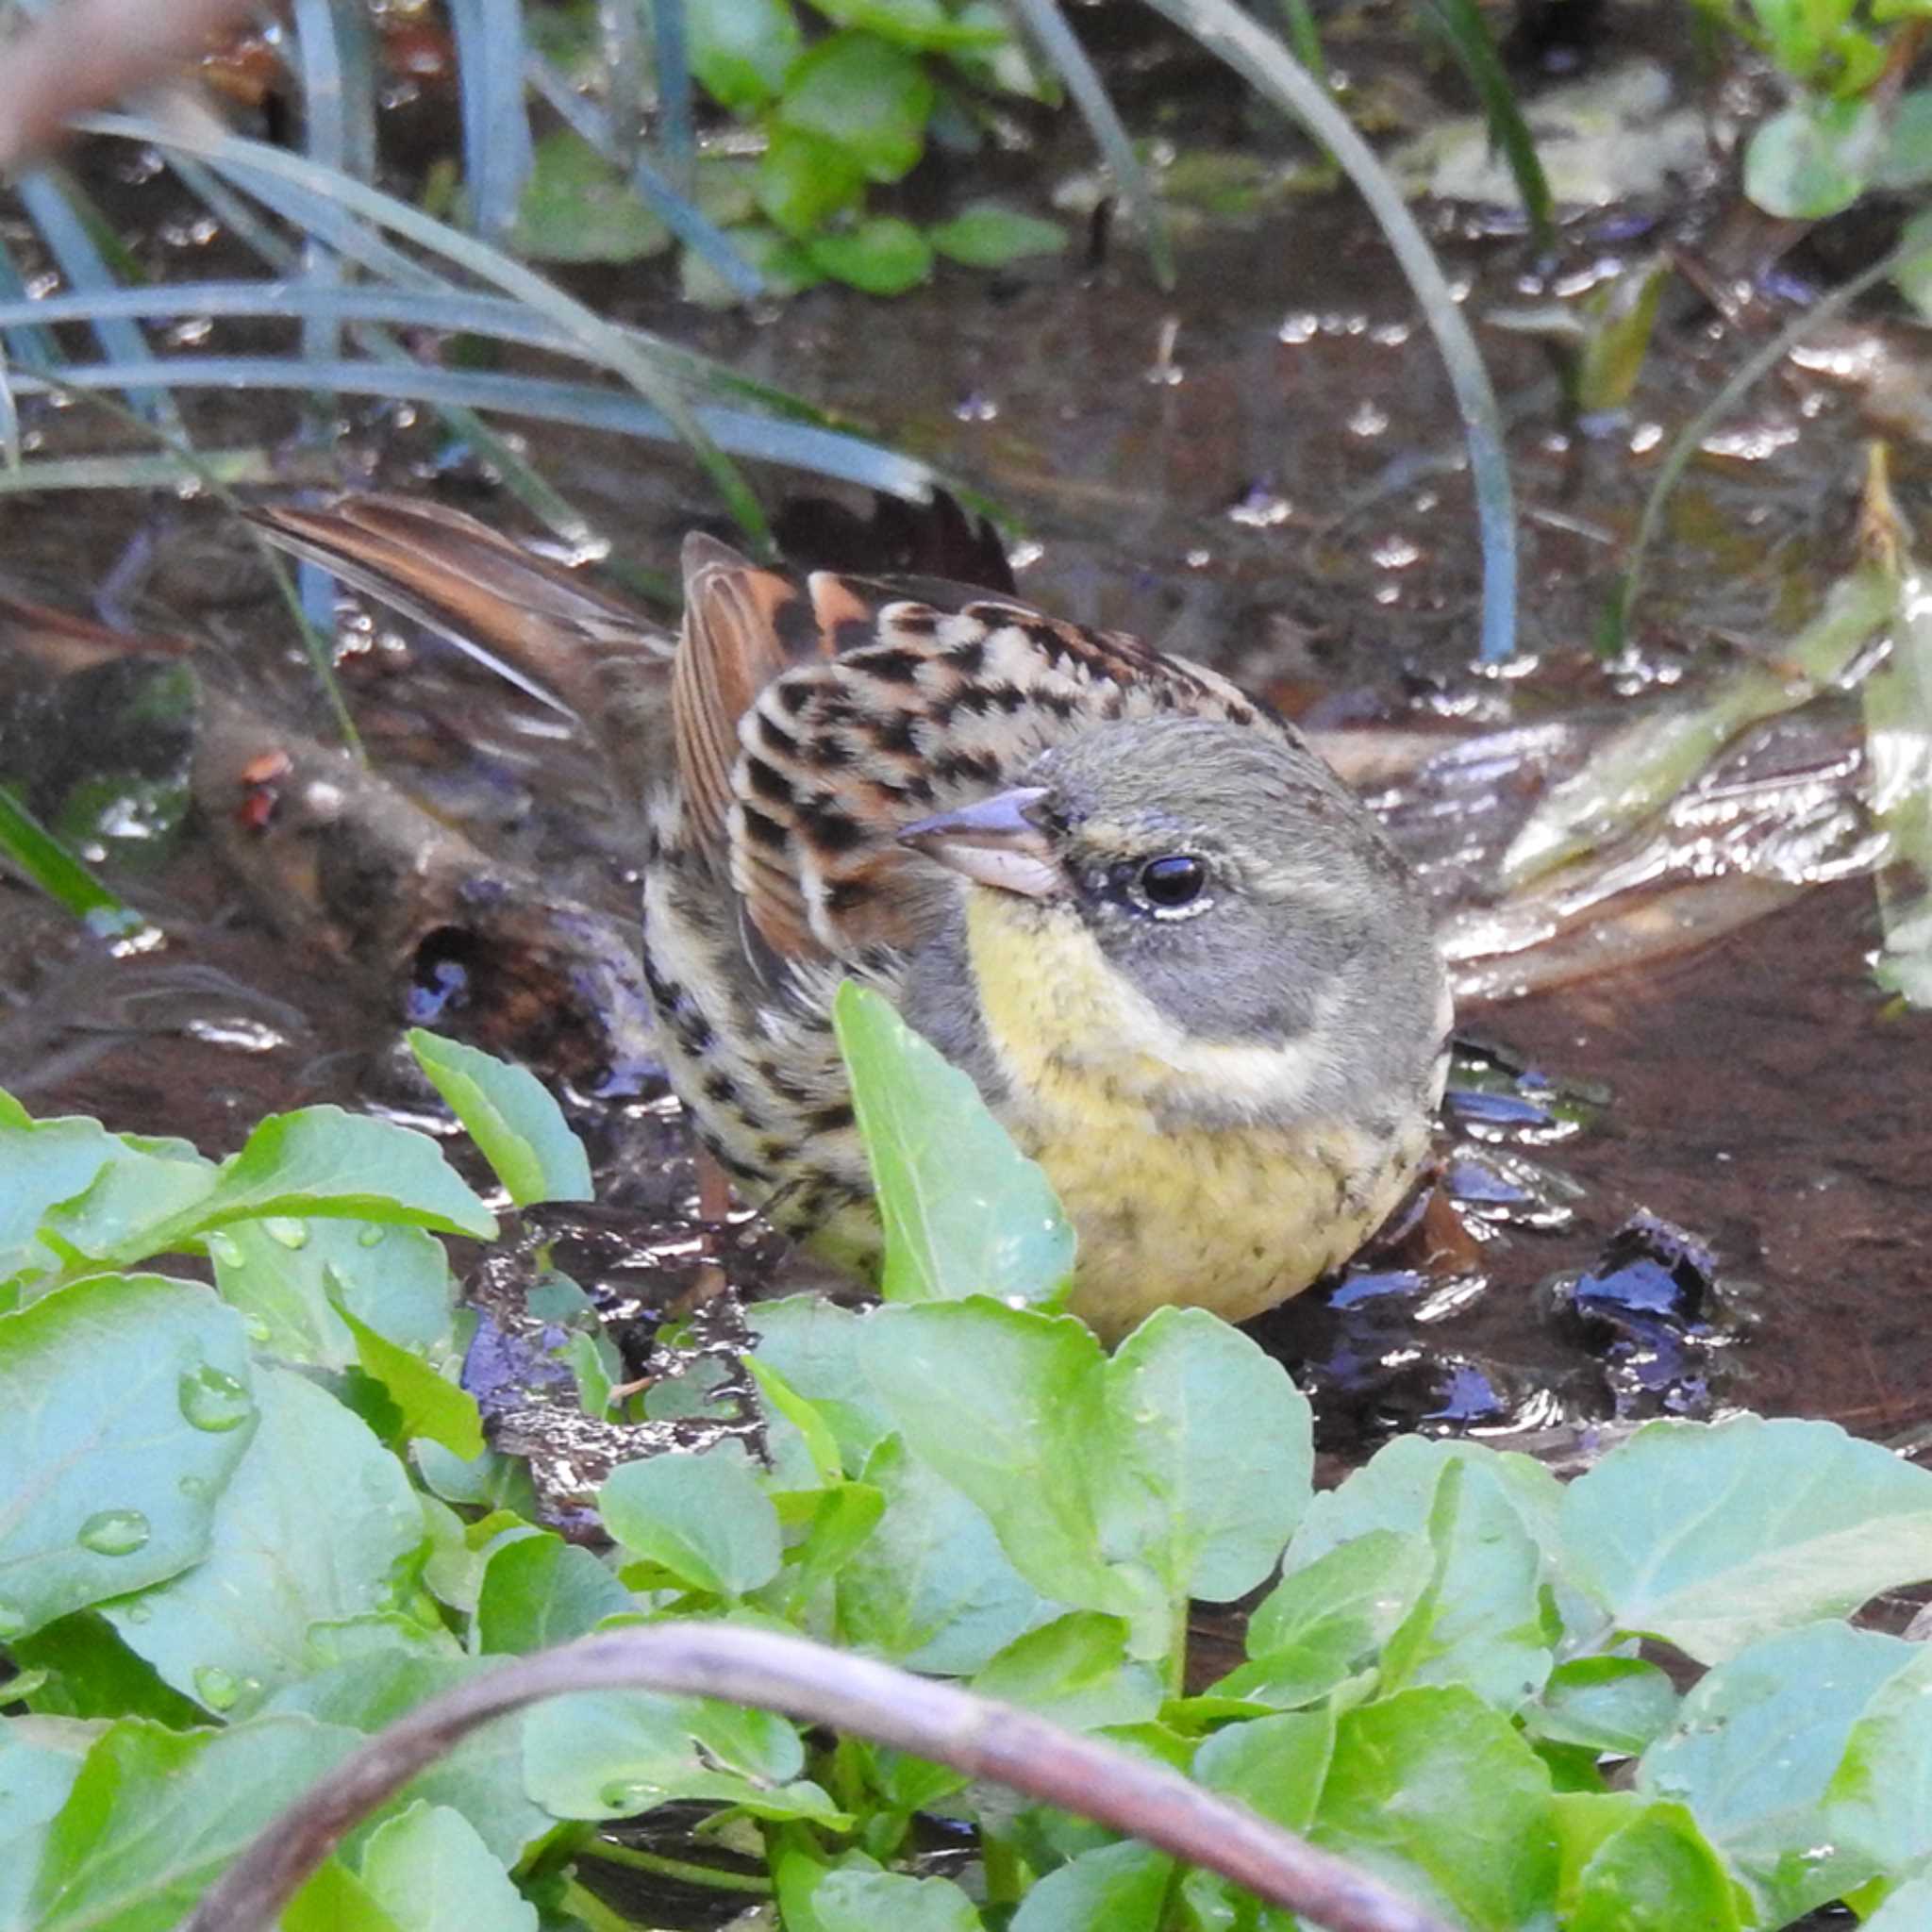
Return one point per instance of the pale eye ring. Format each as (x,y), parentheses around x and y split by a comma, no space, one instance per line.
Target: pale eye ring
(1172,882)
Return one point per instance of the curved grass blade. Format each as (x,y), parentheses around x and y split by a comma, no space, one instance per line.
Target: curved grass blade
(339,93)
(251,163)
(1055,42)
(763,439)
(1689,440)
(51,207)
(496,129)
(41,859)
(1460,26)
(674,91)
(1246,46)
(696,230)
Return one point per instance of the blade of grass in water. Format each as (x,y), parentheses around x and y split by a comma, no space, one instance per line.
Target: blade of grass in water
(1689,440)
(496,128)
(250,162)
(1460,26)
(1245,45)
(1638,770)
(40,858)
(1065,54)
(799,445)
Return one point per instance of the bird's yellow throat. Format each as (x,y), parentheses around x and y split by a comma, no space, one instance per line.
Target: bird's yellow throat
(1232,1218)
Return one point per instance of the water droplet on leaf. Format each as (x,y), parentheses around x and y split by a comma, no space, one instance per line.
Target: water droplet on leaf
(114,1532)
(213,1400)
(216,1688)
(290,1232)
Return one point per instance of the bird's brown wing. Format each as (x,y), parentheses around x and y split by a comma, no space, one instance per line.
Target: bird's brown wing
(815,722)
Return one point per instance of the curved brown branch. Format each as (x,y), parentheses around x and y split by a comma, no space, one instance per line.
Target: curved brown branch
(813,1684)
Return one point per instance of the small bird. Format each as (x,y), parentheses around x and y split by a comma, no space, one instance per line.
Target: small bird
(1180,961)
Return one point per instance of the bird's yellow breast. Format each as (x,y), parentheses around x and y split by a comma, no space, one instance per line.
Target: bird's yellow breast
(1229,1217)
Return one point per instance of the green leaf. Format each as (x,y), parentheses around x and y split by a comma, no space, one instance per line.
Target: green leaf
(1715,1535)
(1753,1751)
(1907,158)
(1908,1909)
(89,1672)
(1656,1873)
(988,234)
(866,96)
(1439,1793)
(931,1589)
(1320,1623)
(1111,1888)
(431,1873)
(742,51)
(481,1778)
(782,263)
(1210,1458)
(965,1212)
(125,1407)
(324,1161)
(615,1754)
(1273,1765)
(287,1275)
(578,207)
(1878,1806)
(783,1403)
(314,1525)
(1814,158)
(431,1405)
(1619,1703)
(804,178)
(923,26)
(155,1814)
(510,1114)
(539,1591)
(868,1901)
(332,1899)
(882,256)
(37,1772)
(1075,1670)
(816,1346)
(1480,1620)
(702,1517)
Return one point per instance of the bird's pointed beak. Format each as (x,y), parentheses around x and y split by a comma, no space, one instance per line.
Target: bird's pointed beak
(992,843)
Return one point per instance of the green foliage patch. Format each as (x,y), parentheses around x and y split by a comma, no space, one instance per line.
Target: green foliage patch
(243,1526)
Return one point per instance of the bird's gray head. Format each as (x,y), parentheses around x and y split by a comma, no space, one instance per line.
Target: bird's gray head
(1227,875)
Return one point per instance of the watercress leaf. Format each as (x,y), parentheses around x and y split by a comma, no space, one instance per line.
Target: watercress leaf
(316,1524)
(1908,1909)
(286,1275)
(1714,1536)
(1907,158)
(1439,1793)
(39,1762)
(815,1345)
(865,95)
(742,50)
(44,1163)
(482,1777)
(924,25)
(1212,1456)
(965,1212)
(1655,1874)
(804,177)
(1008,68)
(325,1160)
(1878,1805)
(431,1405)
(155,1814)
(1348,1600)
(865,1901)
(839,1523)
(783,1403)
(503,1107)
(781,262)
(614,1753)
(1619,1703)
(1111,1888)
(1075,1670)
(575,207)
(1010,1408)
(988,234)
(1754,1750)
(931,1589)
(704,1518)
(1814,158)
(883,256)
(89,1672)
(332,1900)
(112,1456)
(114,1221)
(1275,1765)
(539,1591)
(431,1873)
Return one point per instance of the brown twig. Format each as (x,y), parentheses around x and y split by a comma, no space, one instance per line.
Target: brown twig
(88,54)
(816,1685)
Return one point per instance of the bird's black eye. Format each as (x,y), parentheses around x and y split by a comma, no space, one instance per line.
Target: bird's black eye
(1173,882)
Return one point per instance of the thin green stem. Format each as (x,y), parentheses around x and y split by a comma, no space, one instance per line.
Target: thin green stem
(685,1871)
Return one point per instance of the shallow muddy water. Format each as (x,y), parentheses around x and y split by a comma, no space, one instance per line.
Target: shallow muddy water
(1261,470)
